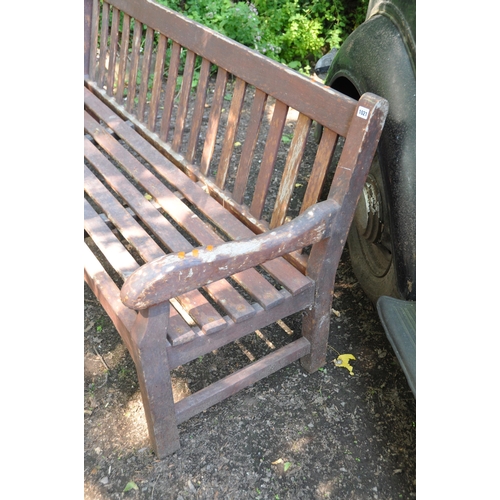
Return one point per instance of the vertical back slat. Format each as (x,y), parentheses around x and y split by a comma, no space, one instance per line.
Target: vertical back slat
(145,68)
(134,65)
(94,35)
(322,161)
(103,44)
(173,71)
(231,128)
(122,66)
(251,137)
(213,122)
(113,46)
(157,82)
(291,170)
(269,159)
(187,78)
(199,108)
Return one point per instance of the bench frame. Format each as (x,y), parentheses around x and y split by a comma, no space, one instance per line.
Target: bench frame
(140,308)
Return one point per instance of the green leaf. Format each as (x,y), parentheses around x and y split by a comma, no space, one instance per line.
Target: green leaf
(130,486)
(286,466)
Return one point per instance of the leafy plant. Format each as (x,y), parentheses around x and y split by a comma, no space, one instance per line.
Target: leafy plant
(294,32)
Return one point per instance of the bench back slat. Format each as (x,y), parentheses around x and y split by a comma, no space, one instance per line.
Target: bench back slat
(252,134)
(134,65)
(269,159)
(113,47)
(230,134)
(214,119)
(122,66)
(291,171)
(157,82)
(274,78)
(187,79)
(319,170)
(170,90)
(198,109)
(103,36)
(186,89)
(145,68)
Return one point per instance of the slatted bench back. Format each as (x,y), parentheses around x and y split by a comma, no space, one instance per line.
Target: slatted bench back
(174,79)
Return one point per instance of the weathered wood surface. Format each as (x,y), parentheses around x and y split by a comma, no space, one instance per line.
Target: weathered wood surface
(168,276)
(167,236)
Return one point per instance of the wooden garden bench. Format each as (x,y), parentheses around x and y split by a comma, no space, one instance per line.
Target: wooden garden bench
(194,239)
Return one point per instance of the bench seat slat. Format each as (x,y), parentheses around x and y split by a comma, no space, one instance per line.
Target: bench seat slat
(133,232)
(283,272)
(123,263)
(237,307)
(108,293)
(195,304)
(159,225)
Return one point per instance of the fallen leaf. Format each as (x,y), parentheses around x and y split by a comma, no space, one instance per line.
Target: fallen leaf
(130,486)
(343,362)
(237,143)
(279,461)
(148,196)
(286,466)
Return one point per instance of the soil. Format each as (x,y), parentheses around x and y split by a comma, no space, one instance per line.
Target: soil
(291,436)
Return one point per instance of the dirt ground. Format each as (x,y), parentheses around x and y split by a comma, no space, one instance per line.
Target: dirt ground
(290,436)
(337,436)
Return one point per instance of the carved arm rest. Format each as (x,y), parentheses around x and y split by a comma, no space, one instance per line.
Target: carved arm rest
(174,274)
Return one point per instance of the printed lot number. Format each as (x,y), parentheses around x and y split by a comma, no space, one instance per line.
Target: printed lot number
(363,112)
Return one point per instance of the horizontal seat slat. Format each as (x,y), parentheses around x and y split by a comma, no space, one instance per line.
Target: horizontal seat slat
(108,294)
(195,304)
(133,232)
(123,263)
(288,276)
(235,305)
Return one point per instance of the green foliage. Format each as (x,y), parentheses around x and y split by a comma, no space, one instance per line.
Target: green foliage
(294,32)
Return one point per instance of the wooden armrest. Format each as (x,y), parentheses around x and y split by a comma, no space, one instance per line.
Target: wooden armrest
(175,274)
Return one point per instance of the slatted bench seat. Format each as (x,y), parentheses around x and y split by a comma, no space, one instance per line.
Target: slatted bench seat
(187,246)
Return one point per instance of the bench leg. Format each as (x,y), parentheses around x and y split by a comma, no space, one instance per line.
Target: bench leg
(316,321)
(149,342)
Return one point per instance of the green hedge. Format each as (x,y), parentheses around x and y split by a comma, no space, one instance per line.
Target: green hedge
(294,32)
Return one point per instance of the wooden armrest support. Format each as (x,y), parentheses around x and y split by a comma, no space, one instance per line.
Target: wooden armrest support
(175,274)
